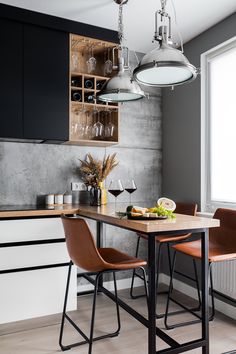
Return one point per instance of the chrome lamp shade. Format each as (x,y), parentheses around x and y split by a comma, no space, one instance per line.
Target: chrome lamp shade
(120,88)
(164,66)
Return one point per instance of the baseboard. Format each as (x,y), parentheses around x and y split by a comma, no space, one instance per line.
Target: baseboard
(184,288)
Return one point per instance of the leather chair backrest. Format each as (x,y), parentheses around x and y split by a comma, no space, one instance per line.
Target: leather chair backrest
(224,235)
(80,244)
(186,208)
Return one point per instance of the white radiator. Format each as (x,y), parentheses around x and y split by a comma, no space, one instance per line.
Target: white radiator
(224,278)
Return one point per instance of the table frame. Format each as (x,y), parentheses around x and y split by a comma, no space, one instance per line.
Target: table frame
(150,323)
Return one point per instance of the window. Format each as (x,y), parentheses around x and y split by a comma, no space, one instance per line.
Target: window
(218,90)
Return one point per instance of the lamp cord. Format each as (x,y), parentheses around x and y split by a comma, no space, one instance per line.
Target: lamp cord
(177,27)
(120,24)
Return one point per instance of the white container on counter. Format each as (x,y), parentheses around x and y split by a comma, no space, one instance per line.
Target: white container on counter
(58,198)
(67,198)
(49,199)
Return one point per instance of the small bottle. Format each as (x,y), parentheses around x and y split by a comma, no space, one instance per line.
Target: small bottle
(103,193)
(67,199)
(58,198)
(49,199)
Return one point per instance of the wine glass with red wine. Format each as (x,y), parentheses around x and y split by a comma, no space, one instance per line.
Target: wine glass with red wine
(130,187)
(115,188)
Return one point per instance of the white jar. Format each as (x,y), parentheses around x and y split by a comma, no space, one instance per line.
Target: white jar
(67,198)
(49,200)
(58,198)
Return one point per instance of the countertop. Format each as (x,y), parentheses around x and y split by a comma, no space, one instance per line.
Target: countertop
(19,211)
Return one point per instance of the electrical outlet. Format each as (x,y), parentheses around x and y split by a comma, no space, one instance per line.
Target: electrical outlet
(78,186)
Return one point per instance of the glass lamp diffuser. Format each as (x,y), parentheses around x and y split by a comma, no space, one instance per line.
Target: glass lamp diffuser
(120,88)
(165,65)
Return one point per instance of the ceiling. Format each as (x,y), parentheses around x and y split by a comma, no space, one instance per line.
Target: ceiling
(193,16)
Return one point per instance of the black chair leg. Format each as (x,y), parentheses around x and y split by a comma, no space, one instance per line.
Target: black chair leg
(157,278)
(145,283)
(117,306)
(93,313)
(91,339)
(192,310)
(198,308)
(170,290)
(211,318)
(64,310)
(135,274)
(169,298)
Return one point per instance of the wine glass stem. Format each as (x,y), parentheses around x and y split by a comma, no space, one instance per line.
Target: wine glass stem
(115,204)
(130,198)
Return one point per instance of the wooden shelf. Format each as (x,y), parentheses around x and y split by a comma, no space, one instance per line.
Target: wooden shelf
(98,77)
(76,88)
(83,142)
(92,105)
(80,46)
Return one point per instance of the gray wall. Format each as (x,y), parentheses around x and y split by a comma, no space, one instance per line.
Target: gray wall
(181,121)
(28,170)
(181,125)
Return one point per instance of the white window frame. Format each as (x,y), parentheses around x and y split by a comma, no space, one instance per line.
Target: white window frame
(207,205)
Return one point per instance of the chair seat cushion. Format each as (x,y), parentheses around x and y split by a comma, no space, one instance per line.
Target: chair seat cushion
(217,252)
(118,260)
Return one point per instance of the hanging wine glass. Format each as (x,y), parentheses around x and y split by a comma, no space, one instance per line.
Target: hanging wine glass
(98,127)
(108,65)
(91,62)
(88,127)
(74,61)
(110,127)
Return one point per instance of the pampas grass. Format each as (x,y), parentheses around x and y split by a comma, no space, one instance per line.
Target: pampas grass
(95,171)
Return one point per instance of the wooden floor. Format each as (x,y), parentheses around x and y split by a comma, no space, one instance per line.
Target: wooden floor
(40,336)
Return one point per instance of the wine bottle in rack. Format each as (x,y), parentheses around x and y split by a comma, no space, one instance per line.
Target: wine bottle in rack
(76,96)
(89,83)
(100,84)
(89,98)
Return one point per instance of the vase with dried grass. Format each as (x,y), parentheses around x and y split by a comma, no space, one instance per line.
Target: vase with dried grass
(94,172)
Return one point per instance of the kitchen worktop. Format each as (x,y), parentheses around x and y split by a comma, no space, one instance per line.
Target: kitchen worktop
(18,211)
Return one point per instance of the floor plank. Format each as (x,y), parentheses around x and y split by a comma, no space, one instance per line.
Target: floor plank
(40,336)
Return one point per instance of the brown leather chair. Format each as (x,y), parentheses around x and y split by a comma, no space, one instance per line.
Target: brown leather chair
(97,261)
(222,247)
(181,208)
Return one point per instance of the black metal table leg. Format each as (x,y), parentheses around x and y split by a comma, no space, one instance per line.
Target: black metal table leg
(99,241)
(205,287)
(152,294)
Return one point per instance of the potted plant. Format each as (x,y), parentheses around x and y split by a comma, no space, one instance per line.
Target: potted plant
(94,173)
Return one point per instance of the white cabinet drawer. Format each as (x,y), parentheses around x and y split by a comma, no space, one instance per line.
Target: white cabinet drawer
(30,229)
(35,293)
(30,256)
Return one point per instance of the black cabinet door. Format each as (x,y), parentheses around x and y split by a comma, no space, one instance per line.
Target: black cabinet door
(46,84)
(11,79)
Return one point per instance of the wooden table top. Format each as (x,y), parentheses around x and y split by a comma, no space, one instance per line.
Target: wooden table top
(106,214)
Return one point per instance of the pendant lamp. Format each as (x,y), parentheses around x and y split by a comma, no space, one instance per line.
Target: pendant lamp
(165,65)
(121,87)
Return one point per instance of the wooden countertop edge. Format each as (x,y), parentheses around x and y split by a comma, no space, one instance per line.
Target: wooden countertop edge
(29,213)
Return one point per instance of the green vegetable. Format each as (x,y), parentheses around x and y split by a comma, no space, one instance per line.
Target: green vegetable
(161,211)
(129,208)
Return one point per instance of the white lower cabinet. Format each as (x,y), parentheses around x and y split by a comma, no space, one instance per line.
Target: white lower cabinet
(33,293)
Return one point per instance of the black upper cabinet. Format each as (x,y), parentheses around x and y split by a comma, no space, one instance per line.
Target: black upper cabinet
(11,79)
(46,83)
